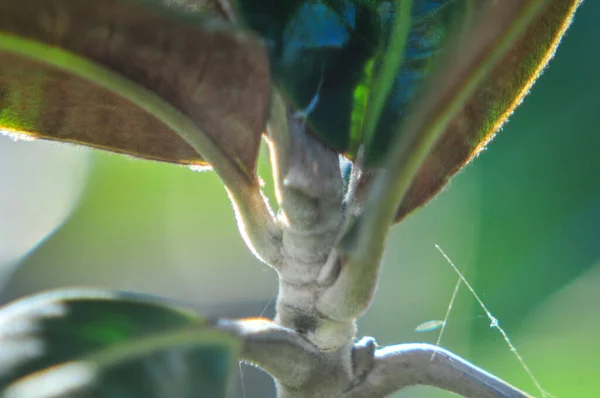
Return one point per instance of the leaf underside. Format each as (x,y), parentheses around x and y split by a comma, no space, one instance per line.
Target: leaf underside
(104,74)
(491,104)
(109,344)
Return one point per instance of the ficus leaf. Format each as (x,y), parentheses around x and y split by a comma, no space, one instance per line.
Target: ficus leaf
(133,76)
(319,48)
(491,103)
(109,344)
(430,26)
(353,65)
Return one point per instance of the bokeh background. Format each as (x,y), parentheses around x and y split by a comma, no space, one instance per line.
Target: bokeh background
(522,222)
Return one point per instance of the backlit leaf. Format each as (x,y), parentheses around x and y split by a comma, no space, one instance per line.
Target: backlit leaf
(108,344)
(133,76)
(491,104)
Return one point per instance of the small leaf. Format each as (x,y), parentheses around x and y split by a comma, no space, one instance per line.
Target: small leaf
(109,344)
(491,104)
(133,76)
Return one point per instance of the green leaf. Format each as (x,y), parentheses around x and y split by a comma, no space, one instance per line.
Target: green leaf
(109,344)
(141,77)
(406,64)
(319,47)
(491,103)
(378,89)
(360,62)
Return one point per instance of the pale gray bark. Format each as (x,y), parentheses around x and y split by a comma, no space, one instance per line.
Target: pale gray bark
(358,370)
(405,365)
(279,351)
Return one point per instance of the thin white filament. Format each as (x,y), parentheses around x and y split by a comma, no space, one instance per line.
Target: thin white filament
(439,339)
(242,379)
(495,324)
(273,296)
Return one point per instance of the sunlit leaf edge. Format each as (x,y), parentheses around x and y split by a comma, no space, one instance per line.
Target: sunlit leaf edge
(428,183)
(103,77)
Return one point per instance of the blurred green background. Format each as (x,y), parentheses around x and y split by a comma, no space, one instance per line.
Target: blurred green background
(523,223)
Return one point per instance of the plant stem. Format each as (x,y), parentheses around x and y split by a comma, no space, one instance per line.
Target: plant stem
(279,351)
(404,365)
(255,218)
(469,63)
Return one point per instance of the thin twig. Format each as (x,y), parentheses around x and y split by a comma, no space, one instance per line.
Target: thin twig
(404,365)
(278,141)
(279,351)
(445,322)
(256,221)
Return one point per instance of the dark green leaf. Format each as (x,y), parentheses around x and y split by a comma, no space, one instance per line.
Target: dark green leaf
(319,47)
(132,77)
(340,51)
(432,24)
(109,344)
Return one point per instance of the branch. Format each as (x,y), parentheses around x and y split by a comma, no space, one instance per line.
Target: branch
(309,189)
(404,365)
(281,352)
(362,246)
(308,181)
(256,222)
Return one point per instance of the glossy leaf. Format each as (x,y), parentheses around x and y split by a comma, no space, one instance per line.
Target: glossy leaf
(491,104)
(432,24)
(133,76)
(318,47)
(107,344)
(336,53)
